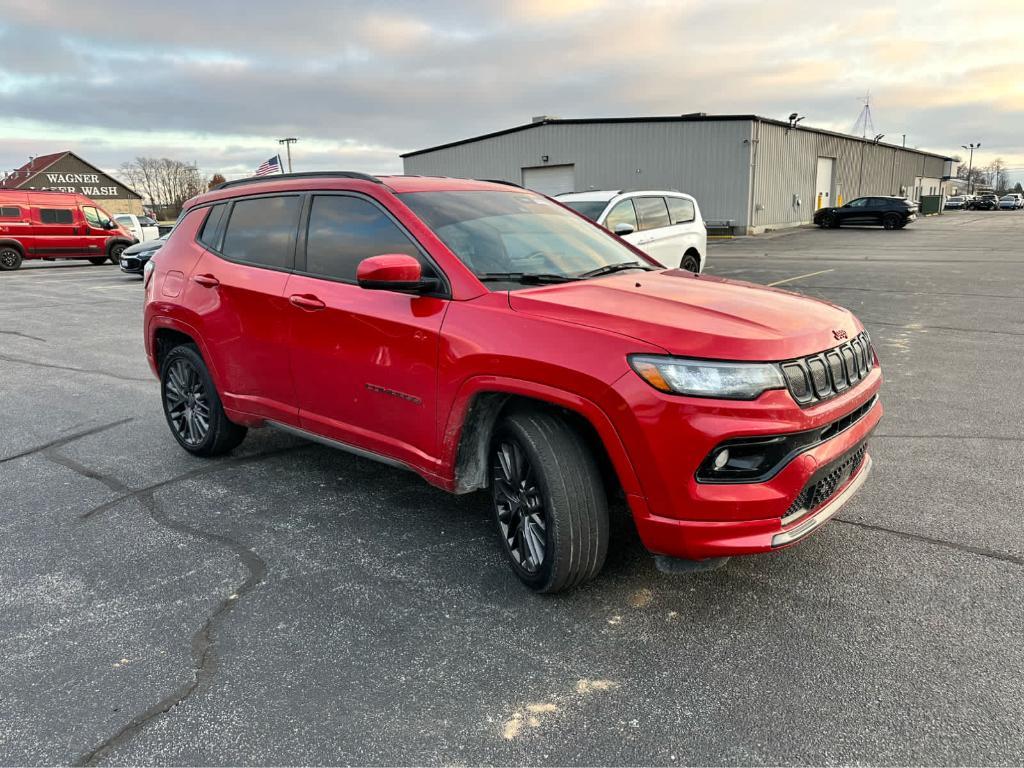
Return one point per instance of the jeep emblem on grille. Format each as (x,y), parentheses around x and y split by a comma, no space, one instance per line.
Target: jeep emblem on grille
(839,334)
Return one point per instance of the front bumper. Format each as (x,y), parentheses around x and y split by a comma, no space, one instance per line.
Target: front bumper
(678,516)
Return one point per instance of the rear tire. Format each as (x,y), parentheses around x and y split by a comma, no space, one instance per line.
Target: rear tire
(691,263)
(550,505)
(891,221)
(98,261)
(192,406)
(10,258)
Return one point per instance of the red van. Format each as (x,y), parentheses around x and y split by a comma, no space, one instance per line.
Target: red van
(57,225)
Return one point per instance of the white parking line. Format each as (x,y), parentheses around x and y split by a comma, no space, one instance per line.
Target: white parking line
(799,277)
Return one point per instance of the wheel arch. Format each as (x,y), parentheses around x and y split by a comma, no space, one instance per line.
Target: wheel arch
(9,243)
(480,407)
(165,333)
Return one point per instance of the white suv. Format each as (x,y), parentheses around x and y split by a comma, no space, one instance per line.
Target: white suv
(667,226)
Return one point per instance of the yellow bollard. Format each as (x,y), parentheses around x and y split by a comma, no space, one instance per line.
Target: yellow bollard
(839,200)
(819,202)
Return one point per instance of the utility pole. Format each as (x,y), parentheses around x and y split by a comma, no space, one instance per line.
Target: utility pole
(970,166)
(288,143)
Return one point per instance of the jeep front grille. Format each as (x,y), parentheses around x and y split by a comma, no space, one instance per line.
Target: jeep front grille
(824,375)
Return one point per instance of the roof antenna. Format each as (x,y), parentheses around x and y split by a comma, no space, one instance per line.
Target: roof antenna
(864,122)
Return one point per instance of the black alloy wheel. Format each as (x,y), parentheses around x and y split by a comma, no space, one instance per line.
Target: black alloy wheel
(522,519)
(10,258)
(891,221)
(193,407)
(549,500)
(187,405)
(690,263)
(828,221)
(115,252)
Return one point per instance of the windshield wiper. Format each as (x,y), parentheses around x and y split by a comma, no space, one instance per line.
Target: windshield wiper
(610,268)
(526,278)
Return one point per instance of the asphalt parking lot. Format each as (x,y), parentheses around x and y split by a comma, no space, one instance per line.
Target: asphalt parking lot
(294,605)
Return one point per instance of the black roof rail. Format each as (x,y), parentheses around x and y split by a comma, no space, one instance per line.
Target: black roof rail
(502,181)
(303,175)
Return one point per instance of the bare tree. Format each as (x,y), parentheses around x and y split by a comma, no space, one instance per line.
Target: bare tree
(166,183)
(216,179)
(999,178)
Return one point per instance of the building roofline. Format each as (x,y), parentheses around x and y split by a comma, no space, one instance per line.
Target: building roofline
(694,118)
(57,156)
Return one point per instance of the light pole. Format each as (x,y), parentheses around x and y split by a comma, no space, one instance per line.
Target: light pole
(970,166)
(288,143)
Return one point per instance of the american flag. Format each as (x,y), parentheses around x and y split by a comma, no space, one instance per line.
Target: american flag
(273,165)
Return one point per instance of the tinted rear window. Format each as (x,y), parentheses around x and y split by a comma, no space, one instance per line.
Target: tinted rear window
(56,216)
(680,210)
(9,213)
(213,227)
(261,231)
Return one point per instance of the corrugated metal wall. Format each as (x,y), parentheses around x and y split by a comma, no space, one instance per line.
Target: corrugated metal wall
(710,159)
(706,159)
(786,164)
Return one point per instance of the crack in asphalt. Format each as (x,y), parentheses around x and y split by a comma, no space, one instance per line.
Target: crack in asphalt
(198,472)
(67,439)
(202,643)
(920,537)
(22,335)
(55,366)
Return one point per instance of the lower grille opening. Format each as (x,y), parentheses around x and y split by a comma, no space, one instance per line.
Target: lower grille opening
(826,482)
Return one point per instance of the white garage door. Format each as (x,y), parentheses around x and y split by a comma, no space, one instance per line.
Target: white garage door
(550,179)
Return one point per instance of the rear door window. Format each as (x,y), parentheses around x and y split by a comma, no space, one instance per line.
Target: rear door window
(56,216)
(680,210)
(261,231)
(344,230)
(651,211)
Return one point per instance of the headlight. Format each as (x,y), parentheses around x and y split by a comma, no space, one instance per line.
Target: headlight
(707,378)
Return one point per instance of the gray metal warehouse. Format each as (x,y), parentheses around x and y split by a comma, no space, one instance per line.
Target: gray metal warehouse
(749,174)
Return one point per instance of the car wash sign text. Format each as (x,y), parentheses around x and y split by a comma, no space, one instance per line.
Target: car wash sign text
(87,184)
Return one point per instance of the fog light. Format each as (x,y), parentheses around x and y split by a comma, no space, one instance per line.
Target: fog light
(721,458)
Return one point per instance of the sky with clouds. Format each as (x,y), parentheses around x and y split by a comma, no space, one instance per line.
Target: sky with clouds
(217,82)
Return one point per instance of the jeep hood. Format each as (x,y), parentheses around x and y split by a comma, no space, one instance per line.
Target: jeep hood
(695,316)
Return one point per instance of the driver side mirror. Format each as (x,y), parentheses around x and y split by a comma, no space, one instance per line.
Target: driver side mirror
(108,224)
(393,272)
(622,228)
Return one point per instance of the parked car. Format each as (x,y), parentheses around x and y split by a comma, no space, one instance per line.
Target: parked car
(485,337)
(667,226)
(986,202)
(1011,202)
(143,227)
(889,212)
(134,258)
(957,202)
(56,225)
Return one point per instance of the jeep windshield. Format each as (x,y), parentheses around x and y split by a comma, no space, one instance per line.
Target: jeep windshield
(511,239)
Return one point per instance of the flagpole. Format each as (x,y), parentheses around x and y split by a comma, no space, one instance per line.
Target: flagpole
(280,165)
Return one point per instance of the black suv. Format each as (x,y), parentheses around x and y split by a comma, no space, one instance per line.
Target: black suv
(889,212)
(986,202)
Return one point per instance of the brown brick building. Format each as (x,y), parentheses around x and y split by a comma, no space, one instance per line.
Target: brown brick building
(67,172)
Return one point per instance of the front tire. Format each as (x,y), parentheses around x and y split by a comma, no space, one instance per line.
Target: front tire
(10,258)
(829,221)
(192,406)
(691,263)
(115,253)
(550,506)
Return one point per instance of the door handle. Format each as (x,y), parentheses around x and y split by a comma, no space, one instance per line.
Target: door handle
(209,281)
(306,302)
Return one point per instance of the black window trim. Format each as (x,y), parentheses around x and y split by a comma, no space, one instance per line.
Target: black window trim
(445,292)
(218,251)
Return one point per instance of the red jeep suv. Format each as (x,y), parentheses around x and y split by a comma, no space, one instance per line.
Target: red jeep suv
(485,336)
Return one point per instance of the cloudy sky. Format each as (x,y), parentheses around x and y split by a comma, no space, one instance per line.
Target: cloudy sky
(217,82)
